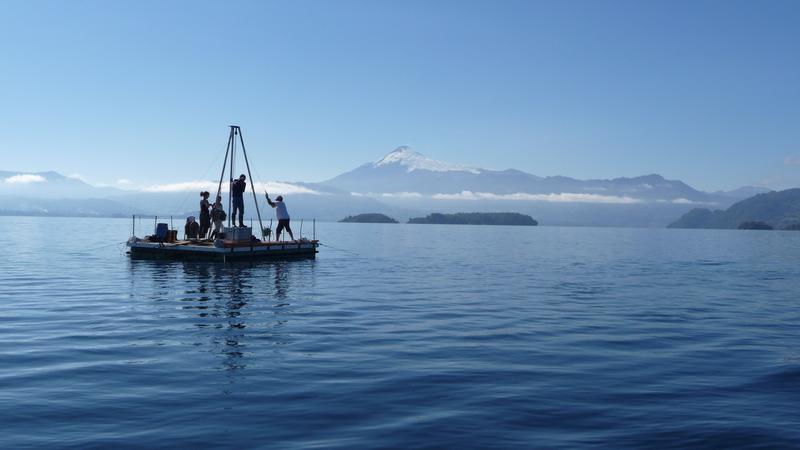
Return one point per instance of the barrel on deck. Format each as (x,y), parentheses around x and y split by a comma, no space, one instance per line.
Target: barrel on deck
(162,230)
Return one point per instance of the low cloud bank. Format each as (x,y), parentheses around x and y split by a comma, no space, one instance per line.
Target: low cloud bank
(686,201)
(401,195)
(519,196)
(78,176)
(563,197)
(276,187)
(25,178)
(792,160)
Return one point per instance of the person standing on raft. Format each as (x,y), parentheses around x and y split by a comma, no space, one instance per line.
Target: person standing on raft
(205,216)
(282,215)
(237,192)
(218,216)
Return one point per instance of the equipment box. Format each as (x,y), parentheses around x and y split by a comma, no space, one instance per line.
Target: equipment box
(238,234)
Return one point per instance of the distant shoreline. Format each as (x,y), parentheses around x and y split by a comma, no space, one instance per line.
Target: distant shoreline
(95,216)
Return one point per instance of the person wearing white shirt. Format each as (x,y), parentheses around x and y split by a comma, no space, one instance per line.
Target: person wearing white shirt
(282,215)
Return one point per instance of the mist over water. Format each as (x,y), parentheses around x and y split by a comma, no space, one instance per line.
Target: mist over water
(403,336)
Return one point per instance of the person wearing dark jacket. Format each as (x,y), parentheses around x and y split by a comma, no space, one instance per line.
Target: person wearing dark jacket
(191,228)
(205,216)
(237,193)
(218,216)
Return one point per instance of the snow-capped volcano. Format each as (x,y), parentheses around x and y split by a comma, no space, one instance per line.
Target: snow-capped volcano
(404,173)
(412,160)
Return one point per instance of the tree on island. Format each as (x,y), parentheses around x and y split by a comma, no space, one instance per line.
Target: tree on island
(368,218)
(476,219)
(755,225)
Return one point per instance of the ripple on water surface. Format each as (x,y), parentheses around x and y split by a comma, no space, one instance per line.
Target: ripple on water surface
(541,337)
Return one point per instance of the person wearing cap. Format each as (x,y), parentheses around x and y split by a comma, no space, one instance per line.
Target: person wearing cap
(282,215)
(237,193)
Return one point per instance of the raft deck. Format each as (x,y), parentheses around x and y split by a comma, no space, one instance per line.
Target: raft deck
(222,250)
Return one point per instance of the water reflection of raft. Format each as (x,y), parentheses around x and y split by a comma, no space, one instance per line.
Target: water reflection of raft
(222,250)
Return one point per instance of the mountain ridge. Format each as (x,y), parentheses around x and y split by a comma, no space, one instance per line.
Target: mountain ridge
(404,170)
(780,209)
(403,183)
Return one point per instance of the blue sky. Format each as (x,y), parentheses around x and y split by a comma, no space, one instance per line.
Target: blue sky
(706,92)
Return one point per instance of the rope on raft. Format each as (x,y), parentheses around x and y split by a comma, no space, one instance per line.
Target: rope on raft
(339,249)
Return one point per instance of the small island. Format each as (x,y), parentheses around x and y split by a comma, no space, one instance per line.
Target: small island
(368,218)
(477,219)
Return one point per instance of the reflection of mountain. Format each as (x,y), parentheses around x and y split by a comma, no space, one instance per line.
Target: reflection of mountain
(778,209)
(401,184)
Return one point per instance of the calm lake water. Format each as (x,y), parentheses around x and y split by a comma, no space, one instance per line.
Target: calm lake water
(403,336)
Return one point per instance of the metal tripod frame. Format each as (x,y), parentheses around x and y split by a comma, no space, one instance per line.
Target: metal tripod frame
(230,150)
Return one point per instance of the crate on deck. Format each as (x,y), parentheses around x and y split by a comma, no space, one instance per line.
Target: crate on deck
(238,234)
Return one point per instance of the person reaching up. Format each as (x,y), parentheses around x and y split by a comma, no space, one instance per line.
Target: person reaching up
(282,215)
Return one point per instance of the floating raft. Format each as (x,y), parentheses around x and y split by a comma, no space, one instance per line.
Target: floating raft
(222,250)
(233,243)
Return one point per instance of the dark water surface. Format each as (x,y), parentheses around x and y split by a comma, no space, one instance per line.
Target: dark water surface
(419,336)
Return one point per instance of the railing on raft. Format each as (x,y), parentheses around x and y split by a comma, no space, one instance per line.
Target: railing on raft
(172,226)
